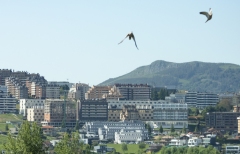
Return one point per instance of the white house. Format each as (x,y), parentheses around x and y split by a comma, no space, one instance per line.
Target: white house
(177,142)
(194,141)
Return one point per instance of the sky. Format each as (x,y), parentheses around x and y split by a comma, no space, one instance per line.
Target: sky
(77,41)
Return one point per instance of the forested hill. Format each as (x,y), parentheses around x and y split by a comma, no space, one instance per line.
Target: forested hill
(195,76)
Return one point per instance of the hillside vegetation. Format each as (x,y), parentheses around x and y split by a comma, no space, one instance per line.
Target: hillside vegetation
(194,76)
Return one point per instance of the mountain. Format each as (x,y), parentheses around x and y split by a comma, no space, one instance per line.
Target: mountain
(192,76)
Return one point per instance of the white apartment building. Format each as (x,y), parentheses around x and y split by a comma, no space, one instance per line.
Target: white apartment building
(177,142)
(29,103)
(130,135)
(7,103)
(52,92)
(77,91)
(194,141)
(166,114)
(201,100)
(35,114)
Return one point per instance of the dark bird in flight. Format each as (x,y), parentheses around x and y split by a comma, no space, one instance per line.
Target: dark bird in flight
(208,14)
(130,35)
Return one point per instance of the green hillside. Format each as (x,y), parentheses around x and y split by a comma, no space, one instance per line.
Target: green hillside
(195,76)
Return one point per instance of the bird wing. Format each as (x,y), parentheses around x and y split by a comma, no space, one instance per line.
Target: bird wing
(134,41)
(205,13)
(124,39)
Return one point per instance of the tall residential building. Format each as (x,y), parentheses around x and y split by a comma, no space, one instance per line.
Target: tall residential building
(166,114)
(29,104)
(3,74)
(97,92)
(16,88)
(201,100)
(78,91)
(7,102)
(52,91)
(54,113)
(134,91)
(225,121)
(36,85)
(35,114)
(93,110)
(159,112)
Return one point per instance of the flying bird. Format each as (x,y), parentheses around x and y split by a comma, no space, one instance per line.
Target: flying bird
(130,35)
(208,14)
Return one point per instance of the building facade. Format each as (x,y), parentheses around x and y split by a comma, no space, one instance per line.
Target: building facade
(97,92)
(57,112)
(134,91)
(52,92)
(78,91)
(225,121)
(35,114)
(7,102)
(201,100)
(130,136)
(93,110)
(16,88)
(29,104)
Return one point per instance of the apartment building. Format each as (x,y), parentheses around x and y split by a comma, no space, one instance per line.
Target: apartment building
(29,104)
(144,108)
(7,102)
(36,85)
(35,114)
(97,92)
(107,129)
(130,136)
(114,93)
(93,110)
(159,112)
(78,91)
(3,74)
(16,88)
(129,112)
(55,110)
(225,121)
(201,100)
(166,114)
(134,91)
(52,92)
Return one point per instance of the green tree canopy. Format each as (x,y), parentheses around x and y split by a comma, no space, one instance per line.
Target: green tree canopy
(28,140)
(160,129)
(69,144)
(124,147)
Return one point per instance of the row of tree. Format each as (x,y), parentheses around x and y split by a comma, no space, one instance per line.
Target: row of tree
(189,150)
(30,141)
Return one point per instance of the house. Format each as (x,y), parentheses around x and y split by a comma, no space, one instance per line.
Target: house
(130,135)
(154,148)
(194,141)
(177,142)
(102,149)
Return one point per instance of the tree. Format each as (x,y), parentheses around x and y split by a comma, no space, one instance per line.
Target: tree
(124,147)
(28,141)
(69,144)
(6,127)
(184,129)
(77,126)
(149,129)
(196,129)
(160,129)
(172,129)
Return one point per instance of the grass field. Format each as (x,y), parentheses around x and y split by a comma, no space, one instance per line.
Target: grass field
(132,148)
(3,125)
(3,139)
(10,117)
